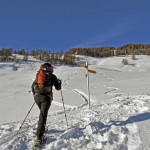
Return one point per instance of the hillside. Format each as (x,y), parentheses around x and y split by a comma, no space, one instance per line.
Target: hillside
(118,117)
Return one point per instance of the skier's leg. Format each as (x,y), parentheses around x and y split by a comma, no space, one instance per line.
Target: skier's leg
(38,99)
(43,117)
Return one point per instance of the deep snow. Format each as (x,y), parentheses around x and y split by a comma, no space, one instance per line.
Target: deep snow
(118,118)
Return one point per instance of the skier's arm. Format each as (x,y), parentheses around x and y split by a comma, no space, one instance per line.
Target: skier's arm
(32,87)
(57,83)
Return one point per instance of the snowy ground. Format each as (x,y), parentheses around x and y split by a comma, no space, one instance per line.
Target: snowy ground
(118,119)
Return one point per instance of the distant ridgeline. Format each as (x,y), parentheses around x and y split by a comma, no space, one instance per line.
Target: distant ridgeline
(68,57)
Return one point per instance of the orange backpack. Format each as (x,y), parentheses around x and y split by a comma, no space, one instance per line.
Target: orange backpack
(41,77)
(42,83)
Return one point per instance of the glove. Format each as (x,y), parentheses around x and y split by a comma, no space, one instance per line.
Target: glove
(59,81)
(33,92)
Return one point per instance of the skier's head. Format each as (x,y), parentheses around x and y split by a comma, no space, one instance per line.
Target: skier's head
(47,67)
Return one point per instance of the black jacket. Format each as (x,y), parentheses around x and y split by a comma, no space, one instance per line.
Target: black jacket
(51,80)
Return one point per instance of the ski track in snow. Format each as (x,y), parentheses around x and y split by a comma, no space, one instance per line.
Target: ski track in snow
(30,66)
(83,96)
(68,77)
(60,104)
(9,95)
(112,89)
(104,126)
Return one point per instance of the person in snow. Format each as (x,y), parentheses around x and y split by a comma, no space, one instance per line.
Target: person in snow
(43,95)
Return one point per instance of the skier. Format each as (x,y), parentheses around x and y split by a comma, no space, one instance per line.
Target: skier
(43,95)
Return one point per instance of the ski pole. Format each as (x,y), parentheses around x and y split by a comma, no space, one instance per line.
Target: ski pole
(25,119)
(64,108)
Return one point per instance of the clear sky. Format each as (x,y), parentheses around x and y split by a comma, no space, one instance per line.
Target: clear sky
(64,24)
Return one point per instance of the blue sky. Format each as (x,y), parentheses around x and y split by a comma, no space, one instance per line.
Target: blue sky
(64,24)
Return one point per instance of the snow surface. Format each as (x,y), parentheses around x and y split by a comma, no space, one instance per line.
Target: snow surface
(118,118)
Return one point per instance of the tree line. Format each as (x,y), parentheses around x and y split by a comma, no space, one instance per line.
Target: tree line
(129,49)
(8,54)
(68,57)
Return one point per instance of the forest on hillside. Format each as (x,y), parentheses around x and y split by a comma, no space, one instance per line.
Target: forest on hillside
(68,57)
(129,49)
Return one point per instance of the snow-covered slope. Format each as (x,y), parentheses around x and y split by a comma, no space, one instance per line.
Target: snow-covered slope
(118,118)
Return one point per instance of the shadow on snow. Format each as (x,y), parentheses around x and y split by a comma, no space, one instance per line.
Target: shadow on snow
(132,119)
(100,127)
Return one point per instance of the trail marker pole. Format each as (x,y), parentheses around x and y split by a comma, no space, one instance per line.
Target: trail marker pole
(88,84)
(87,75)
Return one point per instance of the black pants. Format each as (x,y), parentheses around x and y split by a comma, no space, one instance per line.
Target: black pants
(44,103)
